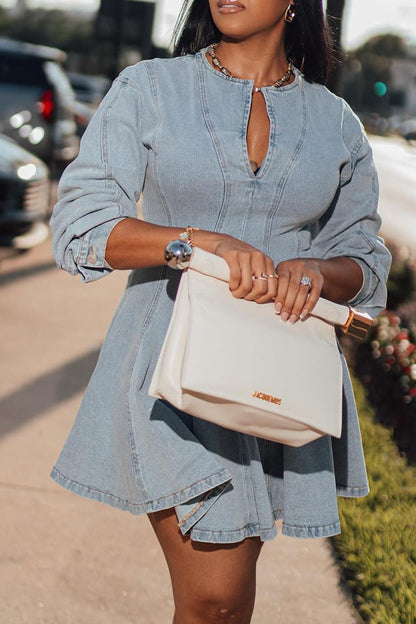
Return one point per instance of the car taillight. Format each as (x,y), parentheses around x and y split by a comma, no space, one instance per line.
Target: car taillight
(47,104)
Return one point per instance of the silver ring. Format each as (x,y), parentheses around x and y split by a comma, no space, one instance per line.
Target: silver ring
(306,281)
(259,277)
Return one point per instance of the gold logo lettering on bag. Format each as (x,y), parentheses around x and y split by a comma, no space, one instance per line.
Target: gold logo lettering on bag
(267,397)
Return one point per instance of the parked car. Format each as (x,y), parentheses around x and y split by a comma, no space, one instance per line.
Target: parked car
(83,115)
(37,101)
(89,89)
(408,129)
(24,196)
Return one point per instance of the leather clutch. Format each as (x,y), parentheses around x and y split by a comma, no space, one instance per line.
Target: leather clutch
(237,364)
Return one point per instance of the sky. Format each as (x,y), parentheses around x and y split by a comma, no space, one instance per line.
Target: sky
(363,18)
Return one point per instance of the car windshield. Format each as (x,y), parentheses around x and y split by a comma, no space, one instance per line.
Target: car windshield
(21,70)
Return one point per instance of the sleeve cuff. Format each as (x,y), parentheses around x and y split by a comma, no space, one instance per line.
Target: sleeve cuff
(364,268)
(370,297)
(91,260)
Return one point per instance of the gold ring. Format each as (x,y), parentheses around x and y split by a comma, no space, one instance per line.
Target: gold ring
(269,275)
(259,277)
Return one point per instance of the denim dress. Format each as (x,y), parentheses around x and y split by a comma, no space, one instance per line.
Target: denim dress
(174,130)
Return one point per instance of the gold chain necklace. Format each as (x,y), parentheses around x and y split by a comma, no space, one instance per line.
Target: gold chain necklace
(226,72)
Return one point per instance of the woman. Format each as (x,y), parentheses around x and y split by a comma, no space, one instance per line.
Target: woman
(277,174)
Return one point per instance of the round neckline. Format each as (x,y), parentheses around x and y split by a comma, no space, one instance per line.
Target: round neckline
(245,81)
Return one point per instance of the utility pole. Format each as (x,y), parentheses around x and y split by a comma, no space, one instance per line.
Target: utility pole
(120,15)
(19,8)
(122,23)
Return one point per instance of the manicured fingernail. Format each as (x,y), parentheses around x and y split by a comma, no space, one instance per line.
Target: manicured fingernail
(303,314)
(284,316)
(293,318)
(278,308)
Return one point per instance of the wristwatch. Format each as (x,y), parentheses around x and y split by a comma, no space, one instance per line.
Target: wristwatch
(178,252)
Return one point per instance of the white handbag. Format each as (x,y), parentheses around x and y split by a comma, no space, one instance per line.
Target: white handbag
(237,364)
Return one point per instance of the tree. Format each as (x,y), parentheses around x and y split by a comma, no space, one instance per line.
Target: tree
(388,45)
(335,13)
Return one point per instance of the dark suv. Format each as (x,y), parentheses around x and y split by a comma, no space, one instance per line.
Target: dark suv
(37,101)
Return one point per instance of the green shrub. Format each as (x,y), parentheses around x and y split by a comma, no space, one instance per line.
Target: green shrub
(377,546)
(393,346)
(386,363)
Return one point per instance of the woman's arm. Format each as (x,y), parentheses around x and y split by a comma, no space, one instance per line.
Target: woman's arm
(102,185)
(135,244)
(343,279)
(348,262)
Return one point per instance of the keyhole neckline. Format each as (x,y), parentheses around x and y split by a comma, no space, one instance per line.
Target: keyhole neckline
(243,81)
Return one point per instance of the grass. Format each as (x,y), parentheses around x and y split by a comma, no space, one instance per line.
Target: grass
(377,546)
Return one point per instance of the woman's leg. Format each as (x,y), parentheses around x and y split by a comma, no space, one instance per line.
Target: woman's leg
(211,582)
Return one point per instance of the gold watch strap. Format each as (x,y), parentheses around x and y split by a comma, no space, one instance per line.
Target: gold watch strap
(357,325)
(188,235)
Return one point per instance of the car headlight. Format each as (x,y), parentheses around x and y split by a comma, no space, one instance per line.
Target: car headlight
(27,172)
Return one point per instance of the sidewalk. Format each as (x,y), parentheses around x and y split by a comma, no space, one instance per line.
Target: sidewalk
(396,162)
(67,560)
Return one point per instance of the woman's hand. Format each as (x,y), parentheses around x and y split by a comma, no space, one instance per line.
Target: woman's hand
(295,299)
(252,274)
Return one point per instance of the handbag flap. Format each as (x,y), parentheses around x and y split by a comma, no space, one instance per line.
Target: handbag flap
(243,352)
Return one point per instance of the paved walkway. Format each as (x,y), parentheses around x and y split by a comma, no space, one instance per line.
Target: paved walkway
(396,164)
(66,560)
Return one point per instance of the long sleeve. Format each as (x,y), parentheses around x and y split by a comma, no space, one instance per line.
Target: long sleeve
(102,185)
(350,226)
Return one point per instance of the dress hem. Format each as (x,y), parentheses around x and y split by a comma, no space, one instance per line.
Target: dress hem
(164,502)
(236,535)
(311,532)
(212,483)
(352,491)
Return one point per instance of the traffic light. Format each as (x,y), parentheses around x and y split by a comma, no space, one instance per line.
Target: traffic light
(380,89)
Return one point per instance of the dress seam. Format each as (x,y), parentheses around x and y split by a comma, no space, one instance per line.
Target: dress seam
(134,456)
(309,527)
(217,147)
(153,85)
(228,537)
(242,472)
(284,178)
(352,491)
(311,532)
(249,525)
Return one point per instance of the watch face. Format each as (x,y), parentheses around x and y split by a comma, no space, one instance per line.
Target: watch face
(178,254)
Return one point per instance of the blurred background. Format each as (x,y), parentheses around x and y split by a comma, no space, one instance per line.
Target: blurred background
(63,560)
(50,88)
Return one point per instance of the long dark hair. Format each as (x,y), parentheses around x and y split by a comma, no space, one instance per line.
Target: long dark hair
(308,41)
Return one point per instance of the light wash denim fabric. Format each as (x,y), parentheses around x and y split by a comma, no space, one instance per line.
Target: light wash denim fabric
(175,129)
